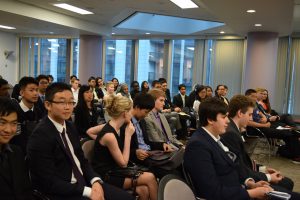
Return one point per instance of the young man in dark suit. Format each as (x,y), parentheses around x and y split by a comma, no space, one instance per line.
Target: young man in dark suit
(212,167)
(57,164)
(14,175)
(181,100)
(240,112)
(29,113)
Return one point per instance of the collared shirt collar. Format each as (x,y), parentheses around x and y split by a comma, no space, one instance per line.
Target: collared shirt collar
(24,107)
(134,120)
(212,136)
(5,148)
(58,126)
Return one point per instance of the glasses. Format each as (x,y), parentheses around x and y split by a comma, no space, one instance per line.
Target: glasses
(63,103)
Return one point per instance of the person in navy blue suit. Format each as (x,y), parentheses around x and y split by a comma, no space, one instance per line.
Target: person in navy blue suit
(214,169)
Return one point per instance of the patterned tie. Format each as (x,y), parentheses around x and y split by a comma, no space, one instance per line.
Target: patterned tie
(77,174)
(230,154)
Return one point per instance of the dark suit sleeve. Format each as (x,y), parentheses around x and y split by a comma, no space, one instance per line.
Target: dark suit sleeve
(177,101)
(41,151)
(204,175)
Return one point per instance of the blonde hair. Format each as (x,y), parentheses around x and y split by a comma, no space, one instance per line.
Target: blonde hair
(116,104)
(109,83)
(156,93)
(261,90)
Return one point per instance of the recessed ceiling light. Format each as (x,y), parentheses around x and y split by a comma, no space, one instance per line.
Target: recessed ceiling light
(251,11)
(191,48)
(184,4)
(222,32)
(7,27)
(147,33)
(257,25)
(51,32)
(113,33)
(73,8)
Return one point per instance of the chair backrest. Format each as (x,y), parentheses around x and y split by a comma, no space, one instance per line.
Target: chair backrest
(172,187)
(87,148)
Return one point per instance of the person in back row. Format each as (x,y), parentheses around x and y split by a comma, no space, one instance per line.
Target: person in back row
(112,149)
(57,165)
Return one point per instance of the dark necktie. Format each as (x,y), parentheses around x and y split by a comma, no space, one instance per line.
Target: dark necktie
(29,115)
(79,177)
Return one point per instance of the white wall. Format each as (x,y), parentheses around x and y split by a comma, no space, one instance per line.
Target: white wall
(8,67)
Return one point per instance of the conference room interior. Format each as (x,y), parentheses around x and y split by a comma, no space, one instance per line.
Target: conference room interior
(241,44)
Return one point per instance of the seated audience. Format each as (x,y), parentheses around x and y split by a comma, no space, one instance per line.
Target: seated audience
(240,111)
(29,114)
(112,149)
(291,149)
(200,96)
(57,165)
(135,89)
(116,84)
(43,83)
(209,91)
(75,89)
(4,88)
(220,93)
(144,87)
(181,100)
(156,84)
(110,89)
(99,88)
(50,79)
(124,91)
(157,125)
(212,167)
(14,175)
(263,104)
(85,112)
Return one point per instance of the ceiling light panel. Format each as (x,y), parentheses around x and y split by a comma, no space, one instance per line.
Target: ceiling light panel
(185,4)
(7,27)
(73,8)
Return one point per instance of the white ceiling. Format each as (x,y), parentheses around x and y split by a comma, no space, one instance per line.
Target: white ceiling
(41,17)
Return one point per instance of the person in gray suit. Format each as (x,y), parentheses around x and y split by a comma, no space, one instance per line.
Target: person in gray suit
(157,126)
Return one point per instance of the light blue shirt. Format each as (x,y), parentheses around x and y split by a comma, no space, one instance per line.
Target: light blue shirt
(139,134)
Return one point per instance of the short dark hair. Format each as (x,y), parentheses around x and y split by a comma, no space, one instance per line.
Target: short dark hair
(73,76)
(209,109)
(50,77)
(250,91)
(181,86)
(42,76)
(217,88)
(55,88)
(239,102)
(7,106)
(143,101)
(3,82)
(91,78)
(26,80)
(154,83)
(162,80)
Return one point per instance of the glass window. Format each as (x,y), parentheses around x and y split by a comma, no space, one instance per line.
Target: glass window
(150,60)
(75,56)
(118,60)
(182,65)
(53,58)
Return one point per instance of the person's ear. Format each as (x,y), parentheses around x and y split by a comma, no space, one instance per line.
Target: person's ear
(210,121)
(47,105)
(21,92)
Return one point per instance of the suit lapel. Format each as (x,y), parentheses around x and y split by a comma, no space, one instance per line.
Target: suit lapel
(215,145)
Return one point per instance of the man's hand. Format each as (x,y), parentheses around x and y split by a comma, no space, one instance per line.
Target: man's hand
(167,148)
(177,109)
(270,170)
(166,111)
(251,184)
(259,192)
(141,154)
(97,192)
(276,177)
(273,118)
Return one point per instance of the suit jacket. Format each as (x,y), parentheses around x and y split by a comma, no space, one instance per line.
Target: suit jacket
(214,175)
(50,167)
(155,133)
(15,183)
(232,139)
(177,101)
(42,107)
(135,144)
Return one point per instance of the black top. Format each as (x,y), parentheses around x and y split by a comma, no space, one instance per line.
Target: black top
(85,119)
(103,161)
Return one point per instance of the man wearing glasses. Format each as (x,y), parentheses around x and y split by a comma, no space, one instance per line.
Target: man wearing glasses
(57,165)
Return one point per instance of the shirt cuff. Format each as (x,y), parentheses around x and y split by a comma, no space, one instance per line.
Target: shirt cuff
(87,191)
(269,177)
(248,179)
(96,179)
